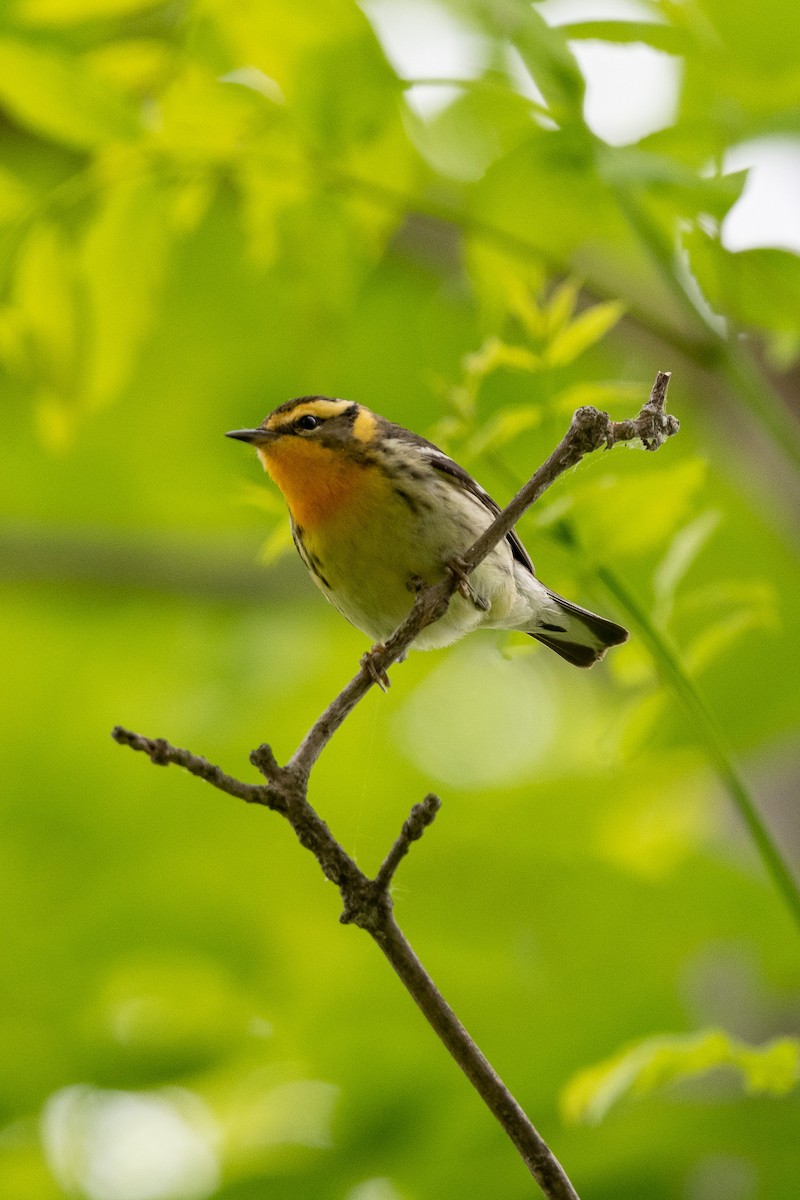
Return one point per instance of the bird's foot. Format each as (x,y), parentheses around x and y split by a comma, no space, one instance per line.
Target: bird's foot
(458,568)
(376,672)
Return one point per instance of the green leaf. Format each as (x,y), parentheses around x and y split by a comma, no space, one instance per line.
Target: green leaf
(57,95)
(561,306)
(278,542)
(280,38)
(760,288)
(140,66)
(265,195)
(473,131)
(386,165)
(550,199)
(587,329)
(631,515)
(546,53)
(670,185)
(725,594)
(495,353)
(520,302)
(165,1014)
(502,429)
(69,12)
(713,643)
(597,395)
(682,552)
(649,33)
(350,93)
(203,118)
(546,193)
(15,196)
(268,500)
(260,1113)
(651,831)
(43,311)
(641,1068)
(122,276)
(504,284)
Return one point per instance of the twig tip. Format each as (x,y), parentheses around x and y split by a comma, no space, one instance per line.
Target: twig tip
(429,807)
(266,762)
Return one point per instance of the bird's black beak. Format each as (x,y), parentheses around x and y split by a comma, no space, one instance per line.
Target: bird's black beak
(253,436)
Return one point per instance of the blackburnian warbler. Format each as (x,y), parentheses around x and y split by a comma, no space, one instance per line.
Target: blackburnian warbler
(377,511)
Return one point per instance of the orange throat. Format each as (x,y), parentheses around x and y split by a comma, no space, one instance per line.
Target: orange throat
(317,483)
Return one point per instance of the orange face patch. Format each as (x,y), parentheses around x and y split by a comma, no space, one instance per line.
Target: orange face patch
(318,483)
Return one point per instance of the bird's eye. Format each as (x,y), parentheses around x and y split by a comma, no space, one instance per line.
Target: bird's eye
(306,422)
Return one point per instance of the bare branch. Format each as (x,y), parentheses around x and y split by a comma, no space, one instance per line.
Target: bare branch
(537,1155)
(367,902)
(421,816)
(162,753)
(589,430)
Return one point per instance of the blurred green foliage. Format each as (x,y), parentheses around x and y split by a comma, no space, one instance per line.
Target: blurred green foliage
(656,1061)
(206,208)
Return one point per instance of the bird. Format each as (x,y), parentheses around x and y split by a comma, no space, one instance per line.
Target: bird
(377,512)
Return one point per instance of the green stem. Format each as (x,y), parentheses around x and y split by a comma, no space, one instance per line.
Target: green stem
(710,737)
(657,245)
(747,381)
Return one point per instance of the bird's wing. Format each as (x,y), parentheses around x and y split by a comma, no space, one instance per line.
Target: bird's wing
(463,478)
(440,462)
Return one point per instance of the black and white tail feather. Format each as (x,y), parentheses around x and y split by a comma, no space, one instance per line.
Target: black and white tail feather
(579,636)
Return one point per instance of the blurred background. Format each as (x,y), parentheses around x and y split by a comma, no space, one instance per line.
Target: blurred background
(473,216)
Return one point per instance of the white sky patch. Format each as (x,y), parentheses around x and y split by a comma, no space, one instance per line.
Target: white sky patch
(567,12)
(423,40)
(768,211)
(631,90)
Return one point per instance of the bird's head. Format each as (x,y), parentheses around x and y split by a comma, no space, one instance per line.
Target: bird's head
(314,448)
(318,420)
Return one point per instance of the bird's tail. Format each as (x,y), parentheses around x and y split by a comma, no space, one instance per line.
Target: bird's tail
(579,636)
